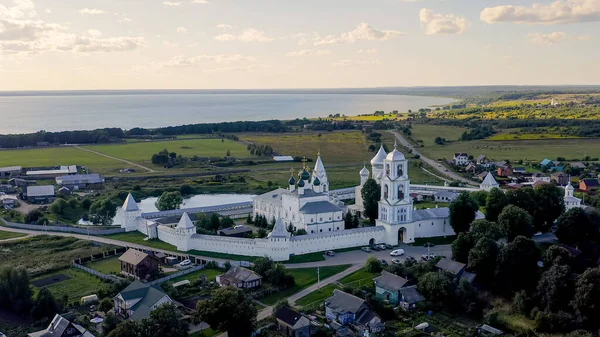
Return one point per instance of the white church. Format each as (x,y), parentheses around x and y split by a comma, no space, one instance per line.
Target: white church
(307,204)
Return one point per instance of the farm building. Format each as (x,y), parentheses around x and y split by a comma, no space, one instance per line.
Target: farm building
(40,194)
(80,181)
(445,196)
(52,173)
(10,172)
(283,158)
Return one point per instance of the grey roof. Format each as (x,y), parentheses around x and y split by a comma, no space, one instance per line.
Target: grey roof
(148,296)
(342,302)
(411,295)
(80,179)
(185,222)
(307,193)
(319,207)
(446,194)
(469,277)
(431,213)
(292,317)
(133,256)
(279,230)
(273,197)
(10,168)
(481,157)
(389,281)
(450,266)
(234,230)
(489,180)
(577,164)
(130,204)
(243,274)
(57,328)
(40,191)
(460,154)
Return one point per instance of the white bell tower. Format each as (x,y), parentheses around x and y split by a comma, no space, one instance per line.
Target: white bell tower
(396,205)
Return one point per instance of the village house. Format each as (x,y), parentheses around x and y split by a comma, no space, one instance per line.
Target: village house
(292,324)
(505,171)
(387,287)
(577,165)
(540,177)
(62,326)
(40,194)
(137,301)
(416,196)
(10,172)
(455,268)
(561,178)
(589,185)
(445,196)
(547,163)
(519,170)
(410,297)
(138,264)
(347,309)
(471,168)
(482,160)
(461,159)
(239,277)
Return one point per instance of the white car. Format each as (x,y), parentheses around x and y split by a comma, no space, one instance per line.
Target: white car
(397,252)
(185,262)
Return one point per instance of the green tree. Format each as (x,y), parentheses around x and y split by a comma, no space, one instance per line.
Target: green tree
(461,247)
(105,305)
(485,229)
(348,220)
(127,329)
(15,292)
(495,203)
(186,189)
(520,303)
(516,266)
(373,265)
(480,197)
(103,211)
(355,220)
(44,306)
(555,288)
(371,193)
(436,287)
(86,204)
(33,216)
(515,221)
(523,198)
(574,226)
(228,154)
(227,222)
(557,255)
(482,259)
(550,205)
(228,310)
(300,231)
(110,323)
(587,296)
(58,206)
(165,321)
(169,201)
(261,233)
(462,212)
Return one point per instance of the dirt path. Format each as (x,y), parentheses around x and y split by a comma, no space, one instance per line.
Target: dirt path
(115,158)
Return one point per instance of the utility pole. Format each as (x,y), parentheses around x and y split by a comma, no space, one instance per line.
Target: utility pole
(318,279)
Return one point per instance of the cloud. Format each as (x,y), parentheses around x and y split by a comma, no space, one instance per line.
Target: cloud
(126,20)
(363,31)
(94,32)
(224,26)
(201,2)
(182,30)
(438,24)
(561,11)
(351,63)
(367,51)
(48,10)
(208,63)
(190,2)
(248,35)
(172,4)
(20,9)
(91,11)
(307,52)
(554,38)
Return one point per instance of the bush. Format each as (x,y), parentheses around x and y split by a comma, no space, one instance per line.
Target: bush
(373,265)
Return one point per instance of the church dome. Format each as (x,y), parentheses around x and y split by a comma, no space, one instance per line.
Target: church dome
(304,175)
(569,187)
(292,181)
(301,183)
(379,157)
(316,181)
(364,172)
(395,156)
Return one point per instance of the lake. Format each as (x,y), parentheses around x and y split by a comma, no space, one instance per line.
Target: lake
(200,200)
(76,111)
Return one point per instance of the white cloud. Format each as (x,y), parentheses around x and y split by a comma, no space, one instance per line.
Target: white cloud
(126,20)
(48,10)
(172,4)
(367,51)
(363,31)
(224,26)
(91,11)
(351,63)
(190,2)
(437,24)
(554,38)
(202,2)
(307,52)
(182,30)
(19,9)
(248,35)
(94,32)
(561,11)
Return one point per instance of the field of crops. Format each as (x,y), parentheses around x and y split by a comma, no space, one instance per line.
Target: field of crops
(428,132)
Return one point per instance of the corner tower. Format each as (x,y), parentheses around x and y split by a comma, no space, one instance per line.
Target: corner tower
(395,205)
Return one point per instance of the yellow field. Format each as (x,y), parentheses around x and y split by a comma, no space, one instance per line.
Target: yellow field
(528,136)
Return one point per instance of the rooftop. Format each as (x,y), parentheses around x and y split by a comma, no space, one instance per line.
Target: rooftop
(450,266)
(319,207)
(133,256)
(10,168)
(389,281)
(40,191)
(235,230)
(343,302)
(148,296)
(411,294)
(291,317)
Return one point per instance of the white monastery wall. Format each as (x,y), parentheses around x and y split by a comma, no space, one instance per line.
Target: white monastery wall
(344,239)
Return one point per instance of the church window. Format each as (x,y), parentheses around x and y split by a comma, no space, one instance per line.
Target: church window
(311,232)
(329,218)
(401,192)
(432,223)
(330,229)
(338,229)
(387,169)
(419,225)
(293,216)
(312,219)
(320,219)
(400,173)
(320,230)
(385,191)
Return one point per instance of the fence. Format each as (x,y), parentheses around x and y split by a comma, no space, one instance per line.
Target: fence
(111,278)
(64,229)
(181,273)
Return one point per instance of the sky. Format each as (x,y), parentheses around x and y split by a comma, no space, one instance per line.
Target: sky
(262,44)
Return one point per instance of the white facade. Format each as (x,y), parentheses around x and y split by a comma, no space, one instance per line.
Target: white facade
(570,200)
(488,183)
(461,159)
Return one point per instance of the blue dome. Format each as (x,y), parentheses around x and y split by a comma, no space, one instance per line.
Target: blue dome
(301,183)
(292,181)
(305,175)
(316,181)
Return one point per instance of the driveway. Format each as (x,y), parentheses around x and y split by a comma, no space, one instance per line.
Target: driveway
(433,163)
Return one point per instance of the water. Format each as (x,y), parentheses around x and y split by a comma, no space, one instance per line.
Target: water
(70,111)
(201,200)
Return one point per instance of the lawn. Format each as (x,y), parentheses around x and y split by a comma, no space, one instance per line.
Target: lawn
(336,147)
(138,238)
(56,156)
(304,278)
(529,136)
(110,265)
(358,278)
(141,152)
(318,296)
(10,235)
(206,333)
(428,132)
(80,284)
(430,204)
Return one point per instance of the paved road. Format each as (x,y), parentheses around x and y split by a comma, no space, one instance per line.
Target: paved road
(115,158)
(433,163)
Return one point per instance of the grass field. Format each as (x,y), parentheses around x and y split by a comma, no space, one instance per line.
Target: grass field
(138,238)
(428,132)
(359,278)
(336,147)
(205,333)
(10,235)
(57,156)
(318,296)
(304,277)
(141,152)
(211,274)
(81,284)
(110,265)
(529,136)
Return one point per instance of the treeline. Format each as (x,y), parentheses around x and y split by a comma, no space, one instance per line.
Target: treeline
(477,133)
(64,137)
(260,150)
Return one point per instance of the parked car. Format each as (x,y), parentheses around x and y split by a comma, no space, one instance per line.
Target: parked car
(389,247)
(366,249)
(411,259)
(428,244)
(375,247)
(330,253)
(428,257)
(397,252)
(384,263)
(396,261)
(382,246)
(185,263)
